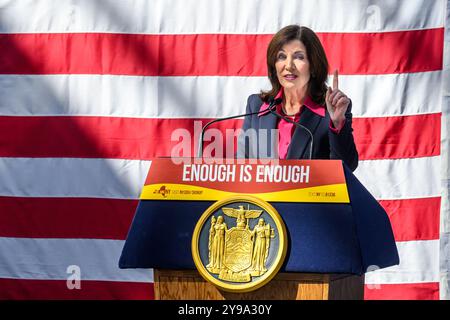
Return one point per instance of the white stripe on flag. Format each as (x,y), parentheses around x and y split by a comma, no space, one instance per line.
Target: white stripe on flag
(98,260)
(24,258)
(401,178)
(200,97)
(123,179)
(217,16)
(419,262)
(72,177)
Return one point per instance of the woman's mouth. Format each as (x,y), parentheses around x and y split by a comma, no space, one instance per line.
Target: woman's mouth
(290,77)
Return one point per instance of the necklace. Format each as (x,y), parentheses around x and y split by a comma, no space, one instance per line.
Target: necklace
(288,115)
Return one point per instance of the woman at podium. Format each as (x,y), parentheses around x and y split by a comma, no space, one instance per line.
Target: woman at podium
(313,120)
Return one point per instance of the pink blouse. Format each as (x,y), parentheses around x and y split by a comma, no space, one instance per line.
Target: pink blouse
(286,129)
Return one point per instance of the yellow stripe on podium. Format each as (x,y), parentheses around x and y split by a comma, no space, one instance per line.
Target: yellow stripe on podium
(334,193)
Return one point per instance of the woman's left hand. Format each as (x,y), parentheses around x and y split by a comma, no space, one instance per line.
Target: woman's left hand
(337,102)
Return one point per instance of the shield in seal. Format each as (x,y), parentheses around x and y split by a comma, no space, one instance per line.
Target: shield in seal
(238,250)
(239,243)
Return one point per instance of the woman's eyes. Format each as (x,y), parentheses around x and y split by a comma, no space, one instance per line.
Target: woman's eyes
(283,56)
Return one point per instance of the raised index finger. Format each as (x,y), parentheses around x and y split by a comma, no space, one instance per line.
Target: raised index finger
(335,79)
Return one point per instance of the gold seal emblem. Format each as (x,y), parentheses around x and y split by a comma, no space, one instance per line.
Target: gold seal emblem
(239,243)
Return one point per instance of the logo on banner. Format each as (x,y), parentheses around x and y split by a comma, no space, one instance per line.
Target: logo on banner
(239,244)
(162,191)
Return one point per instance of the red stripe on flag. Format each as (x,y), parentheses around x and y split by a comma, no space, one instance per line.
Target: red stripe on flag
(90,218)
(137,138)
(404,291)
(414,219)
(386,52)
(210,54)
(24,289)
(24,217)
(20,289)
(398,137)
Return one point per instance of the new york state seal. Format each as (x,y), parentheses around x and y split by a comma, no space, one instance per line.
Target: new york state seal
(239,243)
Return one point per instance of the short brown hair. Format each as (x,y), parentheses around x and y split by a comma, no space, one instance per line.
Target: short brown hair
(316,57)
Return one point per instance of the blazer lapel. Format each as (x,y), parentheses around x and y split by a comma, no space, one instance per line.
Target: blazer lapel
(268,122)
(299,146)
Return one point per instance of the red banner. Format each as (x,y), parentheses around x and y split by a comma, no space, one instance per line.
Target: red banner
(283,180)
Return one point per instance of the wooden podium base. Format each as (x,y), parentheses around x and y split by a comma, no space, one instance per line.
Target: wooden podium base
(189,285)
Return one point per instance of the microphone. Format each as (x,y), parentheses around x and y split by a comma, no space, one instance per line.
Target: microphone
(272,104)
(298,125)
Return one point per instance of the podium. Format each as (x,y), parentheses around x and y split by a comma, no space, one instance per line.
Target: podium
(332,243)
(189,285)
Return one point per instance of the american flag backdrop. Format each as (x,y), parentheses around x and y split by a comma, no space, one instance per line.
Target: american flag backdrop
(91,91)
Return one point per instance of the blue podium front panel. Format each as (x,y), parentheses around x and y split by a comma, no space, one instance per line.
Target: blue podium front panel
(322,238)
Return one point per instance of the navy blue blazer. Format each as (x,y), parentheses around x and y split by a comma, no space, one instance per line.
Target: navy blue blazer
(327,144)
